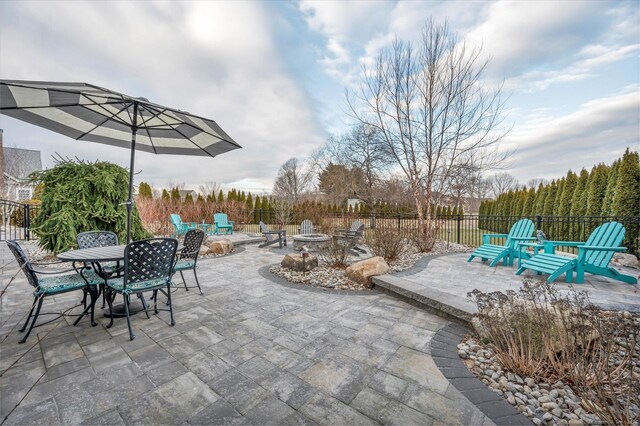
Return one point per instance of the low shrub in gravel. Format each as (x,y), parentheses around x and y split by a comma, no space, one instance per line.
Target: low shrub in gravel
(387,242)
(334,254)
(541,333)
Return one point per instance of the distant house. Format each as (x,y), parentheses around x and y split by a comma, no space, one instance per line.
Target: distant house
(17,165)
(185,192)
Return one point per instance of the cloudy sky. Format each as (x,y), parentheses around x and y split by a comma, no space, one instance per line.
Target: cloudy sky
(273,74)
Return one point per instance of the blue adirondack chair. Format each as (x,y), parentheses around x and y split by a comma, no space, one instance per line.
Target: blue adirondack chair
(222,223)
(181,227)
(521,231)
(594,256)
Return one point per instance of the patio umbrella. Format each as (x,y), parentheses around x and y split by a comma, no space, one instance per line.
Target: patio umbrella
(90,113)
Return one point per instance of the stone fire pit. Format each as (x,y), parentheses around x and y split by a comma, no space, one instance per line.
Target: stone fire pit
(313,242)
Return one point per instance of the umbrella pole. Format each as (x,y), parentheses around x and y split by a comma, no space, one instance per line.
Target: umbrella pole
(129,203)
(130,199)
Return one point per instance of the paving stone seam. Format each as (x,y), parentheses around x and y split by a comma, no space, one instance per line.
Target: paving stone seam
(452,367)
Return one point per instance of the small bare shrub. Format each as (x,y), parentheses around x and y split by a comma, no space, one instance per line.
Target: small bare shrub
(334,254)
(388,242)
(540,333)
(425,238)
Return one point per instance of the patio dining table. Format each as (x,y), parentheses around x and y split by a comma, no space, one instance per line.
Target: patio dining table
(97,256)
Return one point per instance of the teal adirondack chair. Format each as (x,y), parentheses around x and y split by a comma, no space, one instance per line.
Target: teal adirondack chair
(181,227)
(593,256)
(521,231)
(222,223)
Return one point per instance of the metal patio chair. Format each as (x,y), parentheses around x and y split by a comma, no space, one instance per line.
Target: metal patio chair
(148,266)
(91,239)
(58,282)
(188,257)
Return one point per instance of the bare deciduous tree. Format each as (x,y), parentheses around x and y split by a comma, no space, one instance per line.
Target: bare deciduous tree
(535,182)
(501,183)
(431,110)
(209,189)
(292,181)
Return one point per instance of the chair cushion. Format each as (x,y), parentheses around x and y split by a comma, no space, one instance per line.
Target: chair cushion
(117,284)
(67,282)
(183,264)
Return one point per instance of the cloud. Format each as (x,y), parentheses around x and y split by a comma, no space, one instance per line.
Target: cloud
(218,60)
(598,131)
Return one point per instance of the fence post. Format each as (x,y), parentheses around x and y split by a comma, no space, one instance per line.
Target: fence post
(26,221)
(458,226)
(260,215)
(372,220)
(538,222)
(398,221)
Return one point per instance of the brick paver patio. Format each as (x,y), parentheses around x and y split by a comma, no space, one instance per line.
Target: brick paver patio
(250,351)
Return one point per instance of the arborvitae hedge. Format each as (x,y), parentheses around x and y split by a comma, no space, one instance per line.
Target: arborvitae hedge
(596,189)
(144,190)
(83,196)
(579,198)
(607,200)
(606,191)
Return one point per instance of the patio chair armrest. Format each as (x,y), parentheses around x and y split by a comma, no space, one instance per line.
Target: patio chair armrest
(486,238)
(523,238)
(191,224)
(596,248)
(550,246)
(564,243)
(61,271)
(230,222)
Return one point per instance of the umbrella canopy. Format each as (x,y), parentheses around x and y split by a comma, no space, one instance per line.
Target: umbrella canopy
(85,112)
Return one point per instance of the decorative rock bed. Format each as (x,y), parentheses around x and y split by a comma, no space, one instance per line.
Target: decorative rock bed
(336,278)
(543,403)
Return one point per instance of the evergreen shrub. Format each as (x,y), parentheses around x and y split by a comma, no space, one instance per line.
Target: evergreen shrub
(80,196)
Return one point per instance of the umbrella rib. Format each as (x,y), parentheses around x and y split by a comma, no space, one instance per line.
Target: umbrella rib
(195,127)
(98,125)
(56,106)
(146,129)
(188,138)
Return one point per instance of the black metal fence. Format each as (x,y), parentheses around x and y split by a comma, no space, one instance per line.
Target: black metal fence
(468,229)
(16,220)
(462,229)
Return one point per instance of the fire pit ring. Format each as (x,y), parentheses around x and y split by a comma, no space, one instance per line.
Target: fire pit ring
(313,242)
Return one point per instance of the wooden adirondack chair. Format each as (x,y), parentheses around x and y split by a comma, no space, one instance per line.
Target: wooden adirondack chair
(521,231)
(351,237)
(180,226)
(306,227)
(594,256)
(276,236)
(222,222)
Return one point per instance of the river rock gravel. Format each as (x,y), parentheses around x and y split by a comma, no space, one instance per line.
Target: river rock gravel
(543,403)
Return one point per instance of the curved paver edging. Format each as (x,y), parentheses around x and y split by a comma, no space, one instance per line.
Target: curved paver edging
(420,265)
(266,273)
(444,352)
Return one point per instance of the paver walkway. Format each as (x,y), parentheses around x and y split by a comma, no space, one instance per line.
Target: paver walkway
(249,351)
(453,275)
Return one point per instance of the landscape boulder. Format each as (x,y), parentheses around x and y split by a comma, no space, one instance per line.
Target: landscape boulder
(361,272)
(221,247)
(295,262)
(204,250)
